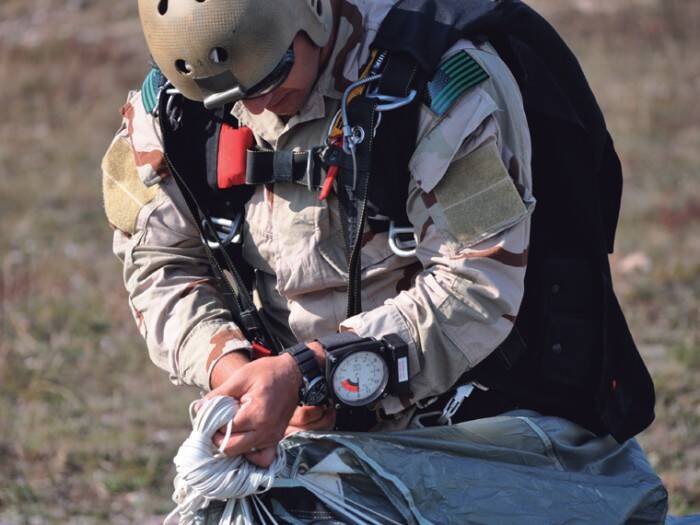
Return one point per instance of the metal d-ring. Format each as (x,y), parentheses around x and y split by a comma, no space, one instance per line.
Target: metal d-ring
(227,231)
(358,135)
(173,113)
(400,247)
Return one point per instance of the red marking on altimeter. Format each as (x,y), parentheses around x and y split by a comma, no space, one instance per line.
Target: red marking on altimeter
(350,386)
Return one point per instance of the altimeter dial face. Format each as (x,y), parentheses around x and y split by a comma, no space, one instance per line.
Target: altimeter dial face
(360,378)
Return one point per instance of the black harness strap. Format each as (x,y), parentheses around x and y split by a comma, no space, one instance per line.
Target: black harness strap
(425,29)
(233,288)
(378,155)
(352,193)
(395,140)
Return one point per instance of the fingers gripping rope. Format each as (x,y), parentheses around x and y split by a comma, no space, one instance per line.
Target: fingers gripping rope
(205,473)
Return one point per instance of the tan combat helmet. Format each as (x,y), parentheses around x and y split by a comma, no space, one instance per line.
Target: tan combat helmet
(220,51)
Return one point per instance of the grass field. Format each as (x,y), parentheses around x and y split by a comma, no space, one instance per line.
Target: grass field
(88,426)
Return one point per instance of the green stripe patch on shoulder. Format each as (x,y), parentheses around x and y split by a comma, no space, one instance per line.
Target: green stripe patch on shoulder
(150,89)
(455,75)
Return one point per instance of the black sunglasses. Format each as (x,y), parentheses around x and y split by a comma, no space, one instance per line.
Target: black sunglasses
(275,79)
(268,84)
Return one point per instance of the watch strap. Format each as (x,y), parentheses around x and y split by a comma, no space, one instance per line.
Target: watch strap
(306,360)
(335,341)
(313,390)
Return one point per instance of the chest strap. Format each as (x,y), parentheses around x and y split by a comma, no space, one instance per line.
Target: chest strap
(232,160)
(270,167)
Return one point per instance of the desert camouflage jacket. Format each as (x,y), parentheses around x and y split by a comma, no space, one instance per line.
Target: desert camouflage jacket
(470,202)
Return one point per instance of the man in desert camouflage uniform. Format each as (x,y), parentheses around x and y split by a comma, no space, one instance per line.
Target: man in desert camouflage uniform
(453,302)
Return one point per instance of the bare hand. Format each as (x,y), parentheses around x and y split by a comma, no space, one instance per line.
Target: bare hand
(268,390)
(311,418)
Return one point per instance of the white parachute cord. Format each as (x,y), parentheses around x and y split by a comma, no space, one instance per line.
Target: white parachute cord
(359,514)
(260,508)
(345,501)
(205,473)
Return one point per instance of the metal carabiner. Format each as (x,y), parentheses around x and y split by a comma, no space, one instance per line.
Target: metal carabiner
(227,231)
(173,113)
(393,101)
(402,247)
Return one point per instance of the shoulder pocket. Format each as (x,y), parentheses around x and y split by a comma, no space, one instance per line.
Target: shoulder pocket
(476,198)
(124,193)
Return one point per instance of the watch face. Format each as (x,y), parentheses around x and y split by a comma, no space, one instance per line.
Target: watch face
(316,392)
(360,378)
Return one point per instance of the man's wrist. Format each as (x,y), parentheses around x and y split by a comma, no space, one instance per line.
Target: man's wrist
(294,369)
(227,364)
(319,353)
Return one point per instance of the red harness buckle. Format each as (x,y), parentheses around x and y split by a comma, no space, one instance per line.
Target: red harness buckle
(260,350)
(331,175)
(234,144)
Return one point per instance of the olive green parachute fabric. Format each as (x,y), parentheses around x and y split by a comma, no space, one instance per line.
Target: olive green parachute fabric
(519,468)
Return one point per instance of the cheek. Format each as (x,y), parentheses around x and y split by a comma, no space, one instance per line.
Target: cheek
(290,104)
(305,68)
(304,74)
(297,87)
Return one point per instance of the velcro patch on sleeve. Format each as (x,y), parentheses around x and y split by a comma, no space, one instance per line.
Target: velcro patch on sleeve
(477,197)
(124,193)
(454,77)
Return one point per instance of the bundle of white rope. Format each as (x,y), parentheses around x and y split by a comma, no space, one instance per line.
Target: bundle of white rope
(205,473)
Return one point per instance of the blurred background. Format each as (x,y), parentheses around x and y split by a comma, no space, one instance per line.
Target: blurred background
(88,426)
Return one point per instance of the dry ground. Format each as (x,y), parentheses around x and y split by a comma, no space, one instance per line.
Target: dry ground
(88,427)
